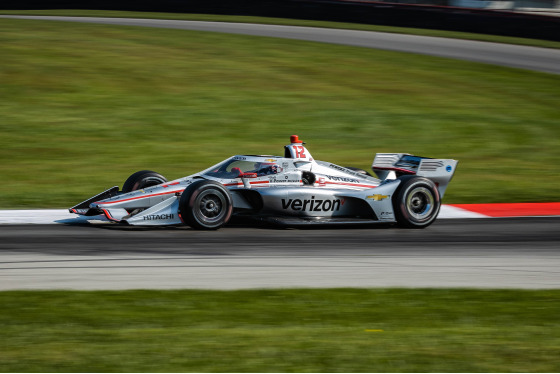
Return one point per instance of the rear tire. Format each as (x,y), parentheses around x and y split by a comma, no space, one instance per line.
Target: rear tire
(416,203)
(143,179)
(205,205)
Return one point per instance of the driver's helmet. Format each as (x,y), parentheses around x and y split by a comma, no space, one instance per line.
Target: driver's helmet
(266,168)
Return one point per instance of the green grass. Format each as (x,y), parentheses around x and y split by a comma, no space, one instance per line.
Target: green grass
(84,106)
(341,330)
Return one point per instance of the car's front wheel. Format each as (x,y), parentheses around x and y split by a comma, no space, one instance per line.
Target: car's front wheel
(416,203)
(205,205)
(143,179)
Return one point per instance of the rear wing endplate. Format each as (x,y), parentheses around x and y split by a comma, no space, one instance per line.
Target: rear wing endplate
(394,165)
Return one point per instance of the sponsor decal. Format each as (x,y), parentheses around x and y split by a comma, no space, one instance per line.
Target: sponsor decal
(337,167)
(344,170)
(449,168)
(285,180)
(270,160)
(342,179)
(153,217)
(239,158)
(377,197)
(313,205)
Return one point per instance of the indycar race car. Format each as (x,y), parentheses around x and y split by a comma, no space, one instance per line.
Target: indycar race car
(292,190)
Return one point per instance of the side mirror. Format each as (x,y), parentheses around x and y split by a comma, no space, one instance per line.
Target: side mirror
(245,178)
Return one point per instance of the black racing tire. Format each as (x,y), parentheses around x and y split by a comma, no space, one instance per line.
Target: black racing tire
(358,170)
(143,179)
(205,205)
(416,203)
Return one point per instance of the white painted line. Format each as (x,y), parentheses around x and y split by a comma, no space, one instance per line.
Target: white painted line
(54,216)
(448,211)
(44,217)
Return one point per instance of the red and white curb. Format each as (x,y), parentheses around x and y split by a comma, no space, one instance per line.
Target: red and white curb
(511,209)
(53,216)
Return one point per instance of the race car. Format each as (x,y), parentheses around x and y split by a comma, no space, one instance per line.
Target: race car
(290,190)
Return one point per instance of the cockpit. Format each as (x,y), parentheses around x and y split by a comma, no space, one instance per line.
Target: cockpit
(239,166)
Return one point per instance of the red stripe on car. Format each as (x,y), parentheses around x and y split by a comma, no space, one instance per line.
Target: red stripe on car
(396,169)
(138,197)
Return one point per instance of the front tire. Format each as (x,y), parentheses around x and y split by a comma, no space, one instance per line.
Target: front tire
(205,205)
(416,203)
(143,179)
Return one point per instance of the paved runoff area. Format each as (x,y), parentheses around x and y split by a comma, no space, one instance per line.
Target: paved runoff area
(468,247)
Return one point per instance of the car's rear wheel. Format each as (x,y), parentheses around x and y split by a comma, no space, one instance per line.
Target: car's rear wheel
(143,179)
(416,203)
(205,205)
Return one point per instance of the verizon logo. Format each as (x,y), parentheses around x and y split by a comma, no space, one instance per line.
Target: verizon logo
(312,205)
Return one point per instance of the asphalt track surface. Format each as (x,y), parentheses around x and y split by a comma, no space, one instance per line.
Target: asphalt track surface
(517,56)
(472,253)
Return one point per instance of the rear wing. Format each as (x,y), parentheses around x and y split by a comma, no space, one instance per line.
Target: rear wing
(394,165)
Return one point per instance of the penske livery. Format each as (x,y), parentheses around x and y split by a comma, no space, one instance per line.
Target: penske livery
(289,190)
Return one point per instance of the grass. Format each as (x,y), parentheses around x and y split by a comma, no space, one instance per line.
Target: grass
(340,330)
(83,106)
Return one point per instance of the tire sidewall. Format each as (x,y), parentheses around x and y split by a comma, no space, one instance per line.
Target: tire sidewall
(143,179)
(189,205)
(411,185)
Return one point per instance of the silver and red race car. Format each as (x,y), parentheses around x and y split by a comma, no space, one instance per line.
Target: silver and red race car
(292,190)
